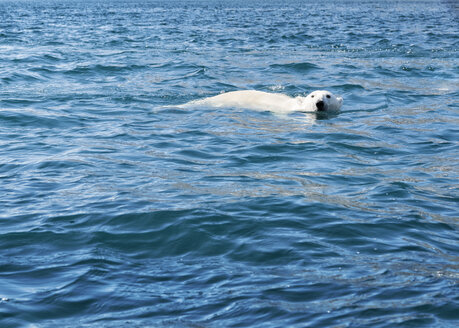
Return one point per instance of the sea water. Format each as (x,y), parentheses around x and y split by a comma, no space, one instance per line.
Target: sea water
(119,209)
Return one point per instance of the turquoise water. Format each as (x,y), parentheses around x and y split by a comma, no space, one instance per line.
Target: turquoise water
(118,209)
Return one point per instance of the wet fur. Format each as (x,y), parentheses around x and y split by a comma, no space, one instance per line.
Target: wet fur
(276,102)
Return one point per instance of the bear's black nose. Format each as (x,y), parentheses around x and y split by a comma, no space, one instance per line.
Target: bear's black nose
(320,105)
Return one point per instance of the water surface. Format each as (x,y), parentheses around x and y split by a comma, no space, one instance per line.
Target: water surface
(118,209)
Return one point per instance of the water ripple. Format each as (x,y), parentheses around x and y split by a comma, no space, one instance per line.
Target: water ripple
(119,208)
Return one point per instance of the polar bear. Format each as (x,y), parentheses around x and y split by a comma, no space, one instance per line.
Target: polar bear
(317,101)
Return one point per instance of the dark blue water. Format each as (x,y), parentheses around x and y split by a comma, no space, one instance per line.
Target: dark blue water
(118,209)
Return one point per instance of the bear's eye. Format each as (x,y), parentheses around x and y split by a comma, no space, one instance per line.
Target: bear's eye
(328,96)
(312,96)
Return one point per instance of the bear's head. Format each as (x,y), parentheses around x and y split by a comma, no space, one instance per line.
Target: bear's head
(321,101)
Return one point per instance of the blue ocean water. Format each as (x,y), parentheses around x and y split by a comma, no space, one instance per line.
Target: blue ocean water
(118,209)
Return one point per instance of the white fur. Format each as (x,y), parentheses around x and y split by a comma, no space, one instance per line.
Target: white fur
(275,102)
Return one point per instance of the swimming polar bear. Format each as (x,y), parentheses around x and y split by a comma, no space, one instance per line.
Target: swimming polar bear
(317,101)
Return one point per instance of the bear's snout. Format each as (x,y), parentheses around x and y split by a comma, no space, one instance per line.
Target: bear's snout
(320,105)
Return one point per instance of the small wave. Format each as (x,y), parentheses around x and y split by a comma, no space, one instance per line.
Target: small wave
(276,87)
(349,87)
(295,67)
(29,117)
(99,68)
(54,43)
(297,37)
(25,76)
